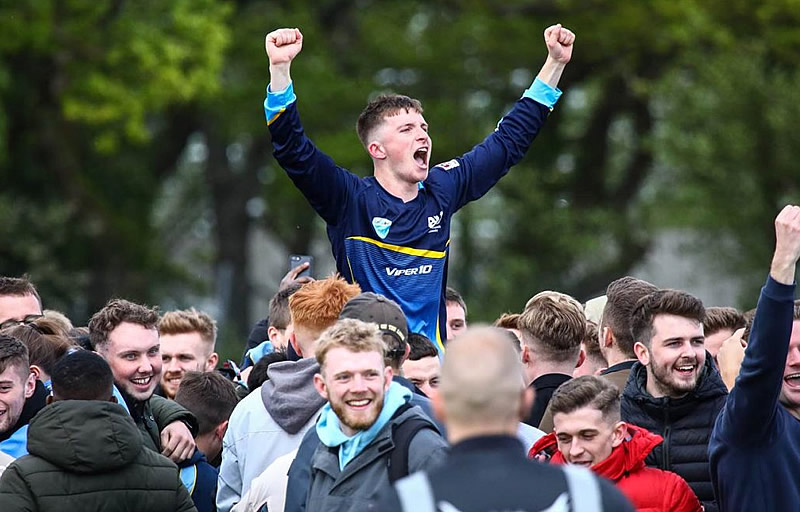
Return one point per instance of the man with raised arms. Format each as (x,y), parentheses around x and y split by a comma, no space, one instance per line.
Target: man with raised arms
(390,232)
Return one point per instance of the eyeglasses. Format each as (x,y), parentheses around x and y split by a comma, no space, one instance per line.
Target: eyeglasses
(29,319)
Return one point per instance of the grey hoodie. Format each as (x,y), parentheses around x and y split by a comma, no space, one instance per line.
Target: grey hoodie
(290,396)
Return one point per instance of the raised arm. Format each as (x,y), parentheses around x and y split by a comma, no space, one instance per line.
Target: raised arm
(325,185)
(474,173)
(749,414)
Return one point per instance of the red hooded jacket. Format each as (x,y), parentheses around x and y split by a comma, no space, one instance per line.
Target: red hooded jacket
(649,489)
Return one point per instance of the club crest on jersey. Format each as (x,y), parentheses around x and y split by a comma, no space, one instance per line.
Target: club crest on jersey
(452,164)
(381,226)
(435,223)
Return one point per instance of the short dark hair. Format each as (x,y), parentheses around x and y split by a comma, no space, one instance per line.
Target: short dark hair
(663,302)
(588,390)
(258,375)
(719,318)
(209,396)
(14,353)
(383,106)
(592,345)
(115,312)
(18,287)
(420,346)
(82,375)
(451,295)
(45,339)
(279,316)
(623,295)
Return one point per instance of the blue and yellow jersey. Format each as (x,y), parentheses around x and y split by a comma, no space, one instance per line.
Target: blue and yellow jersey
(387,246)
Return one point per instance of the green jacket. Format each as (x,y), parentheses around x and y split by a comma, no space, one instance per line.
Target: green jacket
(154,414)
(89,456)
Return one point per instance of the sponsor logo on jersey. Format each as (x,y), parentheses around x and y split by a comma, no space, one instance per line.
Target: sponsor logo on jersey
(435,223)
(415,271)
(381,226)
(451,164)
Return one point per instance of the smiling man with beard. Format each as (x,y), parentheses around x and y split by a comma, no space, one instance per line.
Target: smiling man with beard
(125,335)
(674,390)
(356,427)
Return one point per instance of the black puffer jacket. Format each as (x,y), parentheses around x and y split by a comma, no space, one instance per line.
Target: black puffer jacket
(684,423)
(89,456)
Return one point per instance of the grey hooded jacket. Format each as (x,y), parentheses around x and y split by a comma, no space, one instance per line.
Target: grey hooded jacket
(268,423)
(356,487)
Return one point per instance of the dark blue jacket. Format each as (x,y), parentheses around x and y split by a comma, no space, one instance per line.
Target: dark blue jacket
(200,478)
(685,424)
(755,447)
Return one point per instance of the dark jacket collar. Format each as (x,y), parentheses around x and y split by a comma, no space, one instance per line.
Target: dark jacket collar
(624,365)
(709,387)
(550,380)
(493,444)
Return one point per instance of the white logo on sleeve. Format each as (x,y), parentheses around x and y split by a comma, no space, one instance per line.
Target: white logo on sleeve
(381,226)
(435,222)
(450,164)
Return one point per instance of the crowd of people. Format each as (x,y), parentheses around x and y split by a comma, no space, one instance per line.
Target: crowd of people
(367,390)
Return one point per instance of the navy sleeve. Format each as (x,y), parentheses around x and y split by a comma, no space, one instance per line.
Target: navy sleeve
(474,173)
(750,410)
(325,185)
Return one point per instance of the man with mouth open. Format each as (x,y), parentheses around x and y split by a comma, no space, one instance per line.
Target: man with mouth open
(674,390)
(125,334)
(390,232)
(357,427)
(588,432)
(755,447)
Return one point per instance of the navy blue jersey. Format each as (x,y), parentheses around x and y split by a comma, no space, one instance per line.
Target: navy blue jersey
(387,246)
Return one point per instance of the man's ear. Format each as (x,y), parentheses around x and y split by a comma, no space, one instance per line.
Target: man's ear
(36,371)
(642,354)
(48,399)
(376,150)
(30,385)
(581,357)
(211,362)
(388,373)
(293,341)
(405,354)
(619,433)
(526,355)
(319,385)
(608,339)
(219,430)
(272,333)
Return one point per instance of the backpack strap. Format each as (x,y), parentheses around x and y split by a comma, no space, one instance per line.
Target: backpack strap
(584,490)
(402,435)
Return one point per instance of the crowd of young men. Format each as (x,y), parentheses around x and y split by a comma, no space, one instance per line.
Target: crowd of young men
(370,392)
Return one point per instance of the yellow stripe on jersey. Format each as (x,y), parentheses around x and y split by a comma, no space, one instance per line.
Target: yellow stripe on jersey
(425,253)
(439,343)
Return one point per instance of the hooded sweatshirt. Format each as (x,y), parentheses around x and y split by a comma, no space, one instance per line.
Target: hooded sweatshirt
(89,456)
(268,423)
(649,489)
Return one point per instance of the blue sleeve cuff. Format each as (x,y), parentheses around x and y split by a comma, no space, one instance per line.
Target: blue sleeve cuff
(778,291)
(543,93)
(276,102)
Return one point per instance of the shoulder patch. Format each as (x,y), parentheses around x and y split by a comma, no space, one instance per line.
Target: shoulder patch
(446,166)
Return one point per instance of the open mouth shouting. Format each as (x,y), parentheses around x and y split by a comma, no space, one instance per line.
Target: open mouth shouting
(421,156)
(792,380)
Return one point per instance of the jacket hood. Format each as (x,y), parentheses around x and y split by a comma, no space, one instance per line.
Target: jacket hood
(289,395)
(82,436)
(709,387)
(628,457)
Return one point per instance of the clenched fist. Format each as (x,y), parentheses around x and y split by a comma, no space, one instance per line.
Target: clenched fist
(559,43)
(283,45)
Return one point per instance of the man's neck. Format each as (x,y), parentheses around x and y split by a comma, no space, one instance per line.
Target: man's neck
(614,356)
(537,370)
(458,433)
(396,187)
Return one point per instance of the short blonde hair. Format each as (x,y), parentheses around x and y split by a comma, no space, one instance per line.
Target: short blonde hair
(317,305)
(188,321)
(553,325)
(353,335)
